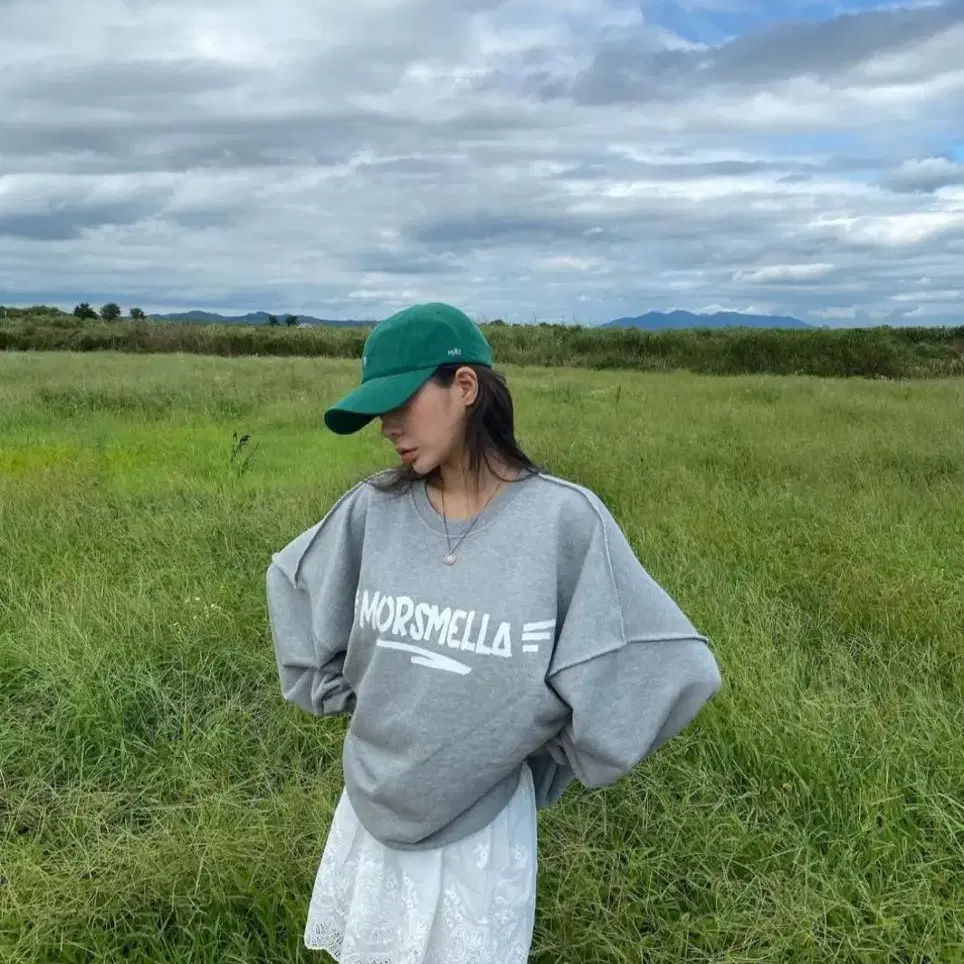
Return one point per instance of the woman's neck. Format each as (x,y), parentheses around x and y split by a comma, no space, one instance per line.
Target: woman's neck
(465,493)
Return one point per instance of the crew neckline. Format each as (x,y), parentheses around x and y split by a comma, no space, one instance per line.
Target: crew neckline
(433,518)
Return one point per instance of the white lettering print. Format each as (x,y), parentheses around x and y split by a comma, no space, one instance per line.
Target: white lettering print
(399,622)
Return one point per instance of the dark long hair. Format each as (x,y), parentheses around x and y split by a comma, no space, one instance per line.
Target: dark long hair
(489,431)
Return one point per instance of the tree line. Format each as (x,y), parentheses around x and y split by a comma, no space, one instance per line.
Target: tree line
(876,352)
(112,312)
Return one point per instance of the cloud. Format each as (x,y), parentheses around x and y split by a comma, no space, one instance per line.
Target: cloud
(125,84)
(926,175)
(836,313)
(779,273)
(947,297)
(873,47)
(568,263)
(894,230)
(520,158)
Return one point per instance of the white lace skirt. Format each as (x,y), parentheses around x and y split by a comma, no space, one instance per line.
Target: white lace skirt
(469,902)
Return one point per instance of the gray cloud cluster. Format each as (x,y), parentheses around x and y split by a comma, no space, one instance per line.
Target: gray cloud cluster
(519,158)
(632,67)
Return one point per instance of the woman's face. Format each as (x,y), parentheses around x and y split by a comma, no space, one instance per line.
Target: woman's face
(428,429)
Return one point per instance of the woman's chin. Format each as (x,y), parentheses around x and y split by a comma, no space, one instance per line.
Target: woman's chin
(417,463)
(420,466)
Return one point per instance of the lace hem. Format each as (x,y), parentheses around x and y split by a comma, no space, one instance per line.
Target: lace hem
(471,902)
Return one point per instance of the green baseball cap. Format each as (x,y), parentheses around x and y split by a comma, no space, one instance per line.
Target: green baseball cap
(400,354)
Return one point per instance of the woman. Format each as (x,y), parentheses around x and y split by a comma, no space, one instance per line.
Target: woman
(493,637)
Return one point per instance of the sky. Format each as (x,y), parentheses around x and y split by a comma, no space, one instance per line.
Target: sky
(572,160)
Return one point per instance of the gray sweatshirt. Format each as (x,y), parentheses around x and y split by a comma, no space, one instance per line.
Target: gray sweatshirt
(546,643)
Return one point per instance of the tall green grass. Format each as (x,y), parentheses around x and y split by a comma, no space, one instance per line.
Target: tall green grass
(159,802)
(879,352)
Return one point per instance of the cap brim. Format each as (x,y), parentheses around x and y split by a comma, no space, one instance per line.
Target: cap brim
(373,398)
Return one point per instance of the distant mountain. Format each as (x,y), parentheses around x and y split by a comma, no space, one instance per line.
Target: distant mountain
(660,321)
(651,321)
(252,318)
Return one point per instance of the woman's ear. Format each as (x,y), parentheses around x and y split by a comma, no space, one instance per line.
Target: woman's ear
(467,385)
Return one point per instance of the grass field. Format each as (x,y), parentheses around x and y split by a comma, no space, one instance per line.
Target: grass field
(159,802)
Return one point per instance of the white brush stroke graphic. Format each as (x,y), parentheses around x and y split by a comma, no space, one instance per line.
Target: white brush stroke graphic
(427,657)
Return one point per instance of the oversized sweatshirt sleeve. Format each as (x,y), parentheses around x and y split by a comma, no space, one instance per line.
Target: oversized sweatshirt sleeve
(629,664)
(311,585)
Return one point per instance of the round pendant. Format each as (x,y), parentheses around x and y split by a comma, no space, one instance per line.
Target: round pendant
(450,559)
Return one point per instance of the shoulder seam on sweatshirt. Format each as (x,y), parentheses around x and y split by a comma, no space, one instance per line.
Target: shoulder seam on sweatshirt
(320,524)
(589,495)
(649,639)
